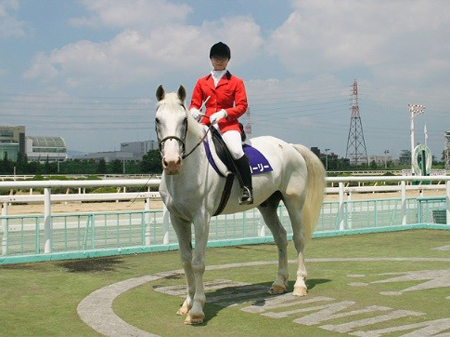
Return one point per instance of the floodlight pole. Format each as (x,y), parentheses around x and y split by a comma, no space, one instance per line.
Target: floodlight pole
(414,109)
(385,158)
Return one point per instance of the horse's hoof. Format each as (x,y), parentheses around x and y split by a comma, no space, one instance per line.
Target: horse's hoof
(277,289)
(194,319)
(183,311)
(300,291)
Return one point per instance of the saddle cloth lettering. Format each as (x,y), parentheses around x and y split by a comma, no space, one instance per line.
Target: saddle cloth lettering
(258,163)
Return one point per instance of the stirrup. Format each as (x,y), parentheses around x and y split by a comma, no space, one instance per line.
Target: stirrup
(247,197)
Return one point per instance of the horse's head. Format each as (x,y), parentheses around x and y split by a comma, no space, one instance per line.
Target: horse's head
(171,128)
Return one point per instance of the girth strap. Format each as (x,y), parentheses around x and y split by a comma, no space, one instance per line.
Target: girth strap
(225,194)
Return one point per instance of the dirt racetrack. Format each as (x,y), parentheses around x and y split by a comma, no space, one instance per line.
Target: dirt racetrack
(77,207)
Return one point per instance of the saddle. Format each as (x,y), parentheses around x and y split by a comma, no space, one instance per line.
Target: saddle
(223,163)
(224,154)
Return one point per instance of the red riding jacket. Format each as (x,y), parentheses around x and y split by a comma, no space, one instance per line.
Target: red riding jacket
(229,95)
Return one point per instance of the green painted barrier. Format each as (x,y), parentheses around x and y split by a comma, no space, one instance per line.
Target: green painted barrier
(86,235)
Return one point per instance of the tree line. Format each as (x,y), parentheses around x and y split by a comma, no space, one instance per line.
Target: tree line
(335,163)
(150,164)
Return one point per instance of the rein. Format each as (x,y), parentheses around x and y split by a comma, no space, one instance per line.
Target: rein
(198,144)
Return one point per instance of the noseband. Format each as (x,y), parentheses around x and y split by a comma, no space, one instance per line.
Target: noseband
(178,139)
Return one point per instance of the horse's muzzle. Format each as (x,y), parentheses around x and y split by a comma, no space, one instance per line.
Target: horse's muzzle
(172,165)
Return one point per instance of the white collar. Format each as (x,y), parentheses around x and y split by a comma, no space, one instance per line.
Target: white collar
(217,75)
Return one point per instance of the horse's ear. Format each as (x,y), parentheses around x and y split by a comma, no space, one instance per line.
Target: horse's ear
(181,93)
(160,93)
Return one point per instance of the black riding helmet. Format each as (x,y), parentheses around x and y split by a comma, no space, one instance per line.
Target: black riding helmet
(220,50)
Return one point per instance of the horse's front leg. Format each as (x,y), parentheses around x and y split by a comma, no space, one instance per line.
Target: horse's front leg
(201,228)
(183,230)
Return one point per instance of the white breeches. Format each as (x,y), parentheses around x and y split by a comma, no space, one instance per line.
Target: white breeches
(234,143)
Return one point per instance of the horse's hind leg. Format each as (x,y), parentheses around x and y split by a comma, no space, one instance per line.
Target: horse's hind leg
(269,212)
(294,205)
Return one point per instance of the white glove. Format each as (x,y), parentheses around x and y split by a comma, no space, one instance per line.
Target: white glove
(217,116)
(195,113)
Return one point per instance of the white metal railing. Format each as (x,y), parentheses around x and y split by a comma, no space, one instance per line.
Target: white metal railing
(344,191)
(18,177)
(47,197)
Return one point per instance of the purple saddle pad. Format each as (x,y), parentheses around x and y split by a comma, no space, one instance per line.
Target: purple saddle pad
(258,163)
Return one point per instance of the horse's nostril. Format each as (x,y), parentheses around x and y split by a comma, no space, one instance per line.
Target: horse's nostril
(165,163)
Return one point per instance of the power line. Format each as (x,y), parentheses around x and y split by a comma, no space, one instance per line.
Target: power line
(80,97)
(300,113)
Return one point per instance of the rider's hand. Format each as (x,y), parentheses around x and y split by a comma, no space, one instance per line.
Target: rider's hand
(217,116)
(195,113)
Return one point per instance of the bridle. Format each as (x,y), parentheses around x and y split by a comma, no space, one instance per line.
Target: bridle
(182,141)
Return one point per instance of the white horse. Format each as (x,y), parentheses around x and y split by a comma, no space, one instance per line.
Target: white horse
(191,191)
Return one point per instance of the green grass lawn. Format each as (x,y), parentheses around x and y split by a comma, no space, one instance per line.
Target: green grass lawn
(41,299)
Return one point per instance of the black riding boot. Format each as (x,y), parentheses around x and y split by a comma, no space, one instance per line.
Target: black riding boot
(247,189)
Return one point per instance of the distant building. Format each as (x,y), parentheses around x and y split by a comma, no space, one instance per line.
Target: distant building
(380,160)
(108,156)
(139,149)
(12,141)
(130,151)
(9,151)
(42,149)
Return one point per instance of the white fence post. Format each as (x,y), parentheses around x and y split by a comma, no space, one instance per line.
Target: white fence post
(403,186)
(47,221)
(147,223)
(350,211)
(448,202)
(166,224)
(5,229)
(341,206)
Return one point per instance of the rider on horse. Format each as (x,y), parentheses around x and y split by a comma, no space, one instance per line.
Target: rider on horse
(225,100)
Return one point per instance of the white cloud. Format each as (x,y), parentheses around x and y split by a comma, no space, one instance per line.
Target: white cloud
(42,68)
(240,33)
(128,57)
(135,55)
(10,27)
(132,14)
(334,35)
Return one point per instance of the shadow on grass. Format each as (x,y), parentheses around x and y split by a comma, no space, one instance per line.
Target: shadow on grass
(311,283)
(254,294)
(92,265)
(72,266)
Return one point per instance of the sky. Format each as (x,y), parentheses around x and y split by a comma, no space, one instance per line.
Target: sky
(87,70)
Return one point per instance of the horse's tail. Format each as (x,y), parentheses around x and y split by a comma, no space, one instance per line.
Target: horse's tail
(315,189)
